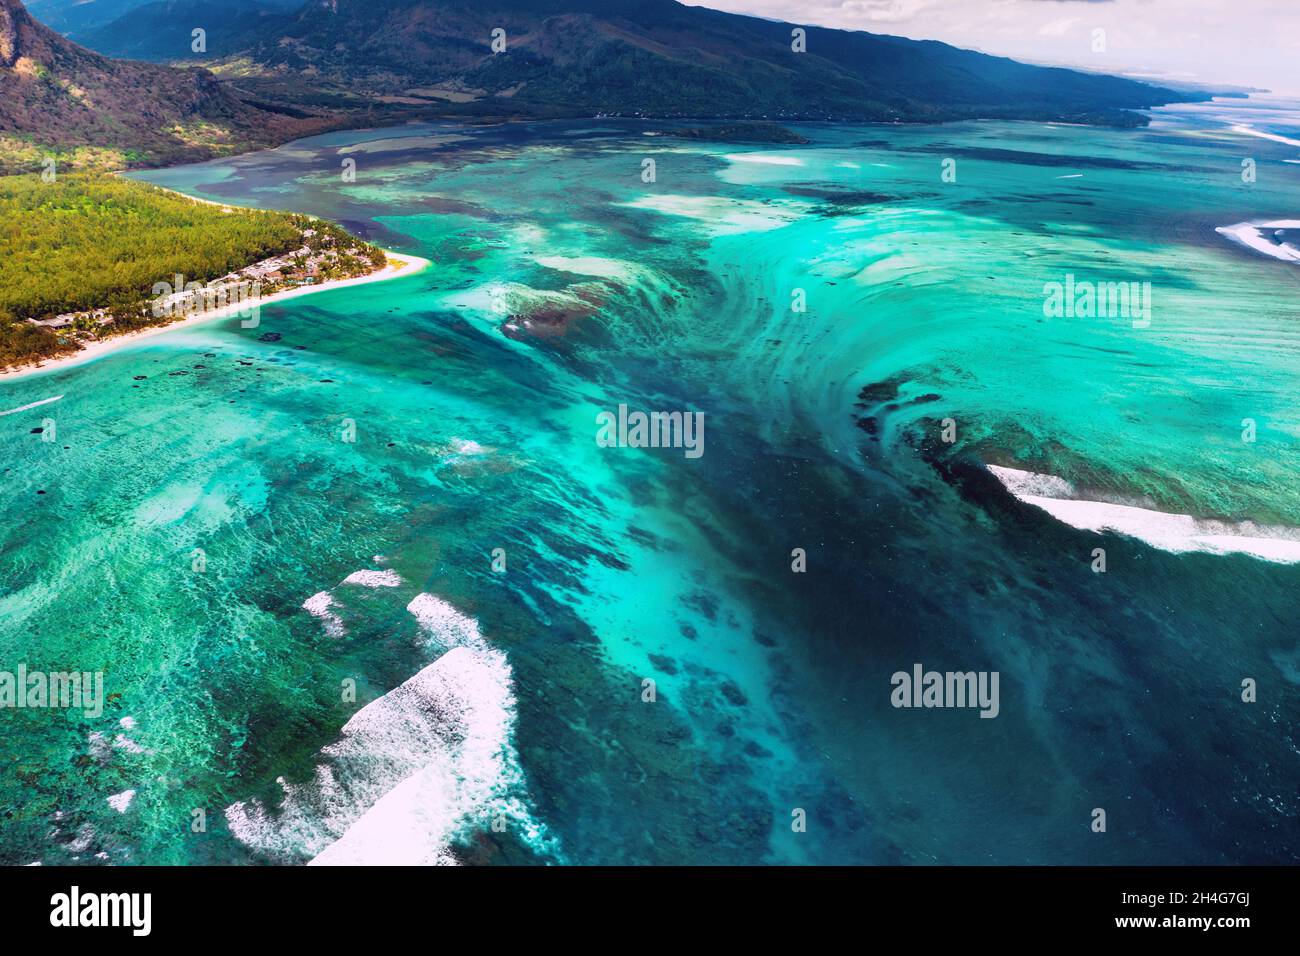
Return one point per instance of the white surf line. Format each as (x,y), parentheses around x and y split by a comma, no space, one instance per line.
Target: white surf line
(1071,176)
(387,578)
(1176,533)
(1248,131)
(413,773)
(1251,235)
(23,408)
(766,159)
(321,605)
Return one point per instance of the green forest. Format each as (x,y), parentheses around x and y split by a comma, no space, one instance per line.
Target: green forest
(93,241)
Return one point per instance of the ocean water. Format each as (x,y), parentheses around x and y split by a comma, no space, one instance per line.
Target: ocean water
(364,587)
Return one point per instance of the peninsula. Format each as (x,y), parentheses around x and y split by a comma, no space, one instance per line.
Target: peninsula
(100,260)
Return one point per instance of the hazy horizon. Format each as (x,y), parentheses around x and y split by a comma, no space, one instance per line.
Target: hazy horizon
(1256,43)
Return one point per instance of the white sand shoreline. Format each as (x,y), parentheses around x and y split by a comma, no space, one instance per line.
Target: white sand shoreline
(399,265)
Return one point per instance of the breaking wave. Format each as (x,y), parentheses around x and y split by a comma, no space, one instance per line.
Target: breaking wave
(1169,532)
(412,772)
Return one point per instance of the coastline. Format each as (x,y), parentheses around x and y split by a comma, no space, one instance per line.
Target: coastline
(398,265)
(200,199)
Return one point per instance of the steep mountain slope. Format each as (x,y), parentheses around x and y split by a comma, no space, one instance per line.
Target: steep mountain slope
(161,31)
(350,62)
(77,19)
(58,97)
(659,58)
(71,17)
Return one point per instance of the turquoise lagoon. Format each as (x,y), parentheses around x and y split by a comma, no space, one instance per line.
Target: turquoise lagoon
(311,649)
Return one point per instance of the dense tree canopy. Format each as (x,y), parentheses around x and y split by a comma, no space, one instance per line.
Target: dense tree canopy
(87,241)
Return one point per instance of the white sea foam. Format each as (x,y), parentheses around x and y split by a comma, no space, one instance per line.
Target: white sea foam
(85,835)
(1254,236)
(467,447)
(591,266)
(721,215)
(395,831)
(1022,483)
(509,300)
(1249,131)
(319,606)
(386,578)
(443,624)
(123,742)
(411,771)
(1177,533)
(99,747)
(766,159)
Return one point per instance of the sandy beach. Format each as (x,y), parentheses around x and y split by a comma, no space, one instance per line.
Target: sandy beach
(398,265)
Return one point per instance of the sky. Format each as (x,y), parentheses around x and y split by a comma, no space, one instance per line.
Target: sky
(1236,42)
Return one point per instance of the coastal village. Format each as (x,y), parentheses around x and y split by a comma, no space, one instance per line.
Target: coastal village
(107,257)
(327,254)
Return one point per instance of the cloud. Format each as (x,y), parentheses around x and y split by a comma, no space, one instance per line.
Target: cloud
(1058,28)
(885,11)
(1219,42)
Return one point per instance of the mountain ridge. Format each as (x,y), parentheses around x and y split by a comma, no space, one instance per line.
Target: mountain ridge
(270,76)
(658,58)
(60,99)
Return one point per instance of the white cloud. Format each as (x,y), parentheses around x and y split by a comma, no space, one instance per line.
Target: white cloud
(1058,28)
(885,11)
(1232,42)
